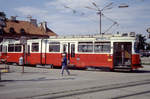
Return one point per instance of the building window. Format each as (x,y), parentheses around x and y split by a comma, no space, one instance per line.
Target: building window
(35,47)
(85,47)
(12,30)
(102,47)
(22,31)
(54,47)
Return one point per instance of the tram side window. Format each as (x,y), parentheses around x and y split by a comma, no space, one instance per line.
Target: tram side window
(54,47)
(17,47)
(1,48)
(85,47)
(136,47)
(100,47)
(11,48)
(35,47)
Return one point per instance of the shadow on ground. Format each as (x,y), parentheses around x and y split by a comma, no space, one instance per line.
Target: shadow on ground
(40,79)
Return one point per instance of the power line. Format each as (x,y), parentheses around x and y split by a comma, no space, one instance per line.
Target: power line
(99,11)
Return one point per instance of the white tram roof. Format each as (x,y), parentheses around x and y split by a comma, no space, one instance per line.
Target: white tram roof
(104,37)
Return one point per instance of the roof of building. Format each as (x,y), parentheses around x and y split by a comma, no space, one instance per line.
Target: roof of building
(28,28)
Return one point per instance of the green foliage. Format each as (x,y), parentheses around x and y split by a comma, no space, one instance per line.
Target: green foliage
(2,14)
(148,47)
(142,42)
(2,22)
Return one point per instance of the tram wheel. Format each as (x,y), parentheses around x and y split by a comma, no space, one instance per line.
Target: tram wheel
(112,69)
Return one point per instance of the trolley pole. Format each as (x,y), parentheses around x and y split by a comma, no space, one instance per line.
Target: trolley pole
(23,41)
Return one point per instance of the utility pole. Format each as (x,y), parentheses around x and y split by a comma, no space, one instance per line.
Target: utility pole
(99,12)
(100,22)
(23,41)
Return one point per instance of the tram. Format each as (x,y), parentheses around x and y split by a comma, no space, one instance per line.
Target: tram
(101,51)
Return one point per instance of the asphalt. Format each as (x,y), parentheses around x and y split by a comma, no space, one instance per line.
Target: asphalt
(42,83)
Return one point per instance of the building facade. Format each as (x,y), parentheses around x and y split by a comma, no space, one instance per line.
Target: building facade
(15,29)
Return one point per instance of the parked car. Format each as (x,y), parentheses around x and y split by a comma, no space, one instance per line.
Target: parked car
(145,53)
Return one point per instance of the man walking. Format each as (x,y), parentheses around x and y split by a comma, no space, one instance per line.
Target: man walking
(64,64)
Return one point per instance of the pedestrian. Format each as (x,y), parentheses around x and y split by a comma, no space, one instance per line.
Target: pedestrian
(21,60)
(64,64)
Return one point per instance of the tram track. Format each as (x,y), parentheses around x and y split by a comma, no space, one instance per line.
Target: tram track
(94,89)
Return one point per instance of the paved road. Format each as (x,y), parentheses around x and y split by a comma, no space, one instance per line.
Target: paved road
(39,83)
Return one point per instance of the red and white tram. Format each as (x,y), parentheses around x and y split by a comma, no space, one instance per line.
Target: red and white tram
(10,51)
(109,51)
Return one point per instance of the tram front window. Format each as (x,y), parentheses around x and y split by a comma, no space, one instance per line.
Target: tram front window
(136,47)
(11,48)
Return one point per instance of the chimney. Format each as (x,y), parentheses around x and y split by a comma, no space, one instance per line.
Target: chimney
(13,18)
(34,22)
(132,34)
(44,25)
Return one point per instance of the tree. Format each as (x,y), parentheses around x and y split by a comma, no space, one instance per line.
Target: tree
(2,21)
(2,14)
(142,42)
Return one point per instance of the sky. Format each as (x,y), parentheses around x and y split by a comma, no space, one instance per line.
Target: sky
(79,17)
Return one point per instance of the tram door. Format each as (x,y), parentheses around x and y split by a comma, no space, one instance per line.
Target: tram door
(122,52)
(43,49)
(35,52)
(69,48)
